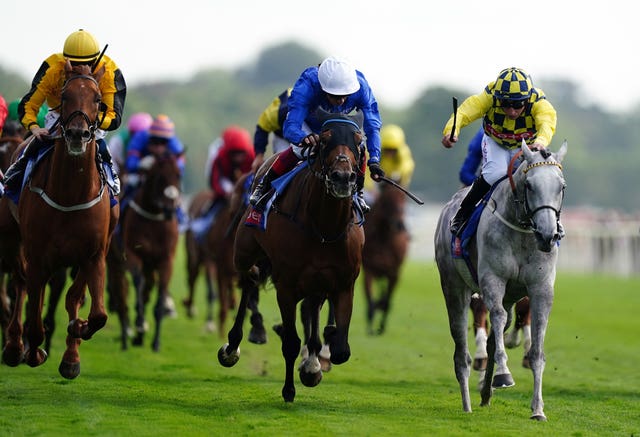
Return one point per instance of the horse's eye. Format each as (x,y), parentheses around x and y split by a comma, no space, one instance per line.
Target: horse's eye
(528,186)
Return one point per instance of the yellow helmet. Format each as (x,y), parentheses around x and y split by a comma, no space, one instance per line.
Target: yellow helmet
(392,137)
(81,46)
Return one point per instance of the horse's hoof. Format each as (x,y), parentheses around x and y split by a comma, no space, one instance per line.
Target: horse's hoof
(288,394)
(310,379)
(539,417)
(12,357)
(137,340)
(228,359)
(35,358)
(258,335)
(479,364)
(325,364)
(210,327)
(504,380)
(69,370)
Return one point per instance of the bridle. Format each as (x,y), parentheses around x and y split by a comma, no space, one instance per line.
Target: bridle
(325,167)
(93,124)
(524,212)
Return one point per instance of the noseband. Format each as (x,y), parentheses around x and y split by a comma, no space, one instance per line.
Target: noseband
(93,125)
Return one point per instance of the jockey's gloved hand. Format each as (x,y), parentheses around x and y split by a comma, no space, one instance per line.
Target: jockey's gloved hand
(310,140)
(376,171)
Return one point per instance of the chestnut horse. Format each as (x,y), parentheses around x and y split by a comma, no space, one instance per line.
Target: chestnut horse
(65,220)
(385,249)
(313,243)
(150,237)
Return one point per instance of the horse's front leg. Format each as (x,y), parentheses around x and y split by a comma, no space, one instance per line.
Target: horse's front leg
(540,305)
(95,272)
(493,290)
(69,366)
(36,281)
(310,369)
(290,341)
(343,308)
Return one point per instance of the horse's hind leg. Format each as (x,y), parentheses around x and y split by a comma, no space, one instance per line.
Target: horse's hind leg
(290,342)
(13,351)
(257,334)
(540,308)
(480,328)
(229,354)
(457,301)
(56,287)
(34,355)
(193,269)
(209,273)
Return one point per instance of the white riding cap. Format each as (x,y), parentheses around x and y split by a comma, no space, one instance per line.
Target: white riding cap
(338,77)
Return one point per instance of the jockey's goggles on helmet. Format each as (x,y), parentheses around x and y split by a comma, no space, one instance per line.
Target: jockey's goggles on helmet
(515,104)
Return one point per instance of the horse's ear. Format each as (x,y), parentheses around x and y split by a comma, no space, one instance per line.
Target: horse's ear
(323,115)
(562,152)
(358,118)
(526,151)
(97,75)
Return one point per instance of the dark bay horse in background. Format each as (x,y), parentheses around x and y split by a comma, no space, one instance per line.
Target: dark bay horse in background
(215,253)
(150,237)
(65,220)
(514,253)
(199,258)
(385,249)
(313,243)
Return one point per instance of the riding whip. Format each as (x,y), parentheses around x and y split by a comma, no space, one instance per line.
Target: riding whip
(99,58)
(404,190)
(455,116)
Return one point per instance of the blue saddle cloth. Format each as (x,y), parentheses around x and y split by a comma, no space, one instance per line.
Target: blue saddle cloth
(33,162)
(460,245)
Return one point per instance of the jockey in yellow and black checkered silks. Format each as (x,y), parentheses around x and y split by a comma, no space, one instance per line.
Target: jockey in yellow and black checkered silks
(512,110)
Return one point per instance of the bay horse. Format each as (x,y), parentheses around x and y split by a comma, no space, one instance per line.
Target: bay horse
(385,249)
(514,253)
(313,243)
(65,220)
(150,237)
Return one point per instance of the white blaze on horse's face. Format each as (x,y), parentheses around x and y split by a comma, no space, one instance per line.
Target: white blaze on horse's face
(542,194)
(172,192)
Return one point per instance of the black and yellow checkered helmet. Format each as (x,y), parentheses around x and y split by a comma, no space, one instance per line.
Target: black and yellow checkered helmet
(512,84)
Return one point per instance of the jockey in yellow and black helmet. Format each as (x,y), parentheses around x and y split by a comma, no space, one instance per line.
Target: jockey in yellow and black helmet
(80,47)
(512,110)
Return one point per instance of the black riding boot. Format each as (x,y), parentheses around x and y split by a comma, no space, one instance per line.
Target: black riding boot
(105,156)
(15,173)
(360,196)
(478,189)
(259,196)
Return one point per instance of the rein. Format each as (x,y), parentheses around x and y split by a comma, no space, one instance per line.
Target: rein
(527,221)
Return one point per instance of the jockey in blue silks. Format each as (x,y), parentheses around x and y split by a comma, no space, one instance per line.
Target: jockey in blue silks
(336,87)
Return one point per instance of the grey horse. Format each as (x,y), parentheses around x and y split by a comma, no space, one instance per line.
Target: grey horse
(514,253)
